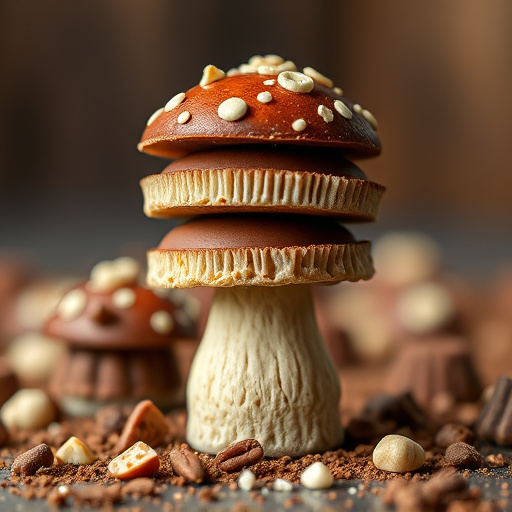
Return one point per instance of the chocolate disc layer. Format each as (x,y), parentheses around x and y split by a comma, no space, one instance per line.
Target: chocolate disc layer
(311,118)
(255,230)
(258,250)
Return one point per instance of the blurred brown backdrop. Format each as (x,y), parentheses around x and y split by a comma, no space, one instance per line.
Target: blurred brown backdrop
(79,79)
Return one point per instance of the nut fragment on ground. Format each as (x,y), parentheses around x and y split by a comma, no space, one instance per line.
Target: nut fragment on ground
(75,451)
(398,454)
(316,476)
(28,409)
(463,455)
(239,455)
(186,463)
(139,460)
(27,463)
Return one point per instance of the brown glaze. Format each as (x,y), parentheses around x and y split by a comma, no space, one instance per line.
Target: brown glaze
(104,326)
(272,157)
(255,230)
(263,122)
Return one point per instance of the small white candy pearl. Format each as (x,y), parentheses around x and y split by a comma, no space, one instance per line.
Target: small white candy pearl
(161,322)
(246,480)
(264,97)
(282,485)
(123,298)
(72,305)
(174,101)
(232,109)
(342,109)
(316,476)
(299,125)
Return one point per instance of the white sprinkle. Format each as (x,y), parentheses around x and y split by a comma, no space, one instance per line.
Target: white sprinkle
(287,66)
(154,116)
(282,485)
(295,81)
(299,125)
(233,72)
(72,305)
(264,97)
(232,109)
(352,490)
(270,60)
(211,74)
(246,69)
(123,298)
(318,77)
(108,275)
(325,113)
(357,108)
(370,118)
(64,490)
(184,117)
(270,81)
(246,480)
(267,70)
(161,322)
(338,90)
(316,476)
(174,101)
(342,109)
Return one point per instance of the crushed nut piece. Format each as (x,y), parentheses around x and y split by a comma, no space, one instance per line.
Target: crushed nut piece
(398,454)
(246,480)
(370,118)
(161,322)
(124,298)
(138,461)
(318,77)
(74,451)
(270,81)
(211,74)
(325,113)
(72,305)
(316,476)
(154,116)
(342,109)
(357,108)
(338,90)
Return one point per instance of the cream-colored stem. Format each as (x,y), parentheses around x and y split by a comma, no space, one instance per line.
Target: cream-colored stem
(262,371)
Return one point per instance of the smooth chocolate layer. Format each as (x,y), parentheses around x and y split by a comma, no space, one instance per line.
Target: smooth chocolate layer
(255,230)
(273,157)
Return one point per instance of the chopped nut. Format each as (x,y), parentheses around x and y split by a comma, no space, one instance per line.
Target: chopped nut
(270,81)
(398,454)
(28,409)
(72,305)
(342,109)
(27,463)
(463,455)
(174,101)
(74,451)
(370,118)
(318,77)
(161,322)
(154,116)
(357,108)
(316,476)
(338,91)
(299,125)
(184,117)
(239,455)
(282,485)
(246,480)
(186,463)
(267,70)
(232,109)
(264,97)
(145,423)
(325,113)
(295,81)
(287,66)
(109,275)
(123,298)
(270,60)
(211,74)
(138,461)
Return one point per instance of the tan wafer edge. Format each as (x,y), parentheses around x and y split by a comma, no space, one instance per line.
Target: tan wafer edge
(217,190)
(268,266)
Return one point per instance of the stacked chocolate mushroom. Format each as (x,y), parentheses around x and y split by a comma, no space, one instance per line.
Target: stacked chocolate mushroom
(262,163)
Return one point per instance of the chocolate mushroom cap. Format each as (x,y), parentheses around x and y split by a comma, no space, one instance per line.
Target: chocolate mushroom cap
(171,136)
(101,324)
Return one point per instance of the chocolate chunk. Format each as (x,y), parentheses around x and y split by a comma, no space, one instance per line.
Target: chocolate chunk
(463,455)
(27,463)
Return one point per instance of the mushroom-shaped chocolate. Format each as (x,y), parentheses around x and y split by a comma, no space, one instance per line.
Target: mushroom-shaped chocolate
(118,337)
(263,163)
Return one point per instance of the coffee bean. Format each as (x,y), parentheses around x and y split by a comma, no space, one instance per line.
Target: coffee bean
(27,463)
(239,455)
(187,464)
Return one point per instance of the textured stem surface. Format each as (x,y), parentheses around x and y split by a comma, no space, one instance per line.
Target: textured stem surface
(262,371)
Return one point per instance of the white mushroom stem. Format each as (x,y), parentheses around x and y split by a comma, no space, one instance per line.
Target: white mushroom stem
(262,371)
